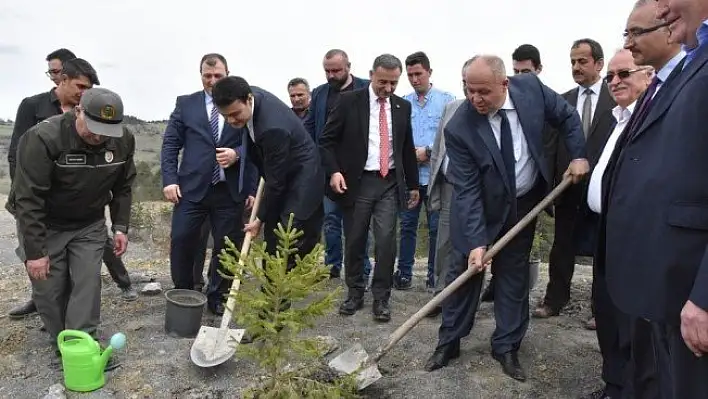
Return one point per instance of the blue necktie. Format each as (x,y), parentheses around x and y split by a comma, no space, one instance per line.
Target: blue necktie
(214,123)
(507,151)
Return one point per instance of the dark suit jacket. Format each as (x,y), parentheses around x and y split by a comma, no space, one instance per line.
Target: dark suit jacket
(188,130)
(317,115)
(287,159)
(482,198)
(345,141)
(655,210)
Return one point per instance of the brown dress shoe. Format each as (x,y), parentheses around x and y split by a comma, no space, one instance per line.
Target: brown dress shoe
(544,312)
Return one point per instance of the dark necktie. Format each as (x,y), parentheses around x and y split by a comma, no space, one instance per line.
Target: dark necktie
(214,124)
(507,151)
(587,111)
(644,107)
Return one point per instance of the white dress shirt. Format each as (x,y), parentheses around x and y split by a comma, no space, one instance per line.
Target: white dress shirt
(622,116)
(666,70)
(209,102)
(372,157)
(596,87)
(526,171)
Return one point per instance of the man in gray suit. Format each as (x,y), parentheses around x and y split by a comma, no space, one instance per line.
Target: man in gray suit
(440,192)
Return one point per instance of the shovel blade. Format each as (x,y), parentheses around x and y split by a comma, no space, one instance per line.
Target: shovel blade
(214,346)
(351,361)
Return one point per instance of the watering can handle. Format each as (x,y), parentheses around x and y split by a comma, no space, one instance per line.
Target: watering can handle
(226,318)
(63,335)
(501,243)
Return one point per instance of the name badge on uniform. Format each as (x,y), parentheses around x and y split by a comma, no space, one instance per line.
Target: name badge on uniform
(76,159)
(109,156)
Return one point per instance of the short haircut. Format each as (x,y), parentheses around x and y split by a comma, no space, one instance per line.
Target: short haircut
(595,48)
(298,81)
(61,54)
(527,52)
(466,64)
(418,57)
(334,52)
(77,67)
(211,59)
(495,63)
(230,89)
(387,61)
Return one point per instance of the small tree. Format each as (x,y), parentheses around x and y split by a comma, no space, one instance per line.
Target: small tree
(275,327)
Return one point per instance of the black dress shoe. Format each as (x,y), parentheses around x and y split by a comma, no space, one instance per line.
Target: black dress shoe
(599,394)
(381,311)
(442,356)
(22,310)
(488,294)
(510,365)
(216,308)
(350,306)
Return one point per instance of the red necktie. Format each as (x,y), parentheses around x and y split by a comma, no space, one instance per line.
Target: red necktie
(383,137)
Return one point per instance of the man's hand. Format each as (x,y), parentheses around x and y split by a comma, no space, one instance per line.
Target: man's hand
(120,243)
(226,156)
(476,259)
(577,169)
(249,202)
(254,227)
(172,193)
(694,328)
(421,154)
(38,269)
(413,198)
(337,183)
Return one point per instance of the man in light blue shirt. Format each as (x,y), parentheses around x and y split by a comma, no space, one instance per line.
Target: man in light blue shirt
(428,104)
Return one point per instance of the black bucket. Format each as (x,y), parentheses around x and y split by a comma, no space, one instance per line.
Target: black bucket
(183,312)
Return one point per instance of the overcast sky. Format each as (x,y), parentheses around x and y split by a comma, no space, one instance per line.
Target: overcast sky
(148,51)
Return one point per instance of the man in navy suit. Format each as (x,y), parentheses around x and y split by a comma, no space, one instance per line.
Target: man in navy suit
(499,173)
(214,180)
(654,221)
(324,97)
(286,157)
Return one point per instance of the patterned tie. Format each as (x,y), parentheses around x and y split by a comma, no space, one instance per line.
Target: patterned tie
(641,113)
(214,123)
(383,137)
(507,150)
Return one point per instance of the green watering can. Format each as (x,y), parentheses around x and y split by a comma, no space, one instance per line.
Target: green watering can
(83,361)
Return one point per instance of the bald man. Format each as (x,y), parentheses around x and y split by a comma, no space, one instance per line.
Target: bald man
(499,173)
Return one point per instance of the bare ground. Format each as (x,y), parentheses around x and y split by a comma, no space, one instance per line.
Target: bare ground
(561,357)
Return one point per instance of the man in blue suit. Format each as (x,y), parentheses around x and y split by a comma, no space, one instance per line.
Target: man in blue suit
(339,80)
(214,180)
(654,221)
(499,173)
(286,157)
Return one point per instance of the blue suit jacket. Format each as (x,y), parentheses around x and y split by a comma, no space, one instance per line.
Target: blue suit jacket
(288,160)
(188,130)
(656,226)
(481,196)
(317,116)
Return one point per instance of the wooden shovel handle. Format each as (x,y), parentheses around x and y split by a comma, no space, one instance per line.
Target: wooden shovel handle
(226,318)
(439,298)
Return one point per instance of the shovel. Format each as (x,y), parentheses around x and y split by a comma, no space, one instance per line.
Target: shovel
(356,360)
(213,345)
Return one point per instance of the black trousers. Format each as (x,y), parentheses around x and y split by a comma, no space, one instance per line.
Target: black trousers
(311,228)
(511,292)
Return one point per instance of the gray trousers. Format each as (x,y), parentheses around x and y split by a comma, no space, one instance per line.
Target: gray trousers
(443,246)
(70,297)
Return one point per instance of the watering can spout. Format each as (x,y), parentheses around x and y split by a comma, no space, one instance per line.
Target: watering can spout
(102,360)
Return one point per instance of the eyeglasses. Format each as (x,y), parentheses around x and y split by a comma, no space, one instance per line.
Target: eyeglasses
(621,74)
(634,32)
(52,72)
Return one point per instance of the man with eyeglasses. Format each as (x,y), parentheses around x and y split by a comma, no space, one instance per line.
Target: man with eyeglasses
(55,63)
(594,105)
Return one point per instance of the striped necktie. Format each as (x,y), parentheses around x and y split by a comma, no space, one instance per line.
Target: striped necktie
(214,123)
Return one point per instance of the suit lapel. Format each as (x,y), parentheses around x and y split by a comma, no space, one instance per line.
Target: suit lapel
(604,102)
(200,105)
(573,98)
(480,123)
(364,114)
(396,120)
(669,90)
(521,102)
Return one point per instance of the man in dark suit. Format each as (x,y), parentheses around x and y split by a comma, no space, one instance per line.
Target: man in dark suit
(594,105)
(337,69)
(286,156)
(499,173)
(369,157)
(653,229)
(214,180)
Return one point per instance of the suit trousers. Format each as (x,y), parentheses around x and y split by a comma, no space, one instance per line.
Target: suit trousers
(114,264)
(70,296)
(376,201)
(511,294)
(443,247)
(225,216)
